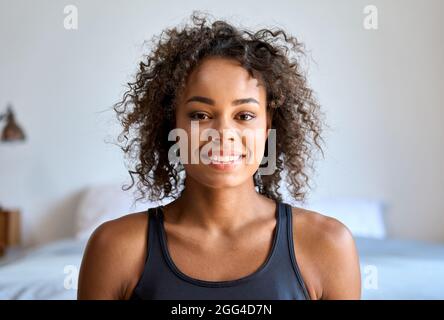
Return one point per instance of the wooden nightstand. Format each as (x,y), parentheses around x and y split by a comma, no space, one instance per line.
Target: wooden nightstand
(10,226)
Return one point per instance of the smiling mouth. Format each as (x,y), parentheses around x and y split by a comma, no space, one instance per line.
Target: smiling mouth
(223,159)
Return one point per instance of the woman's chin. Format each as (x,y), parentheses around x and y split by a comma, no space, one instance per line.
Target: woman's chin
(221,179)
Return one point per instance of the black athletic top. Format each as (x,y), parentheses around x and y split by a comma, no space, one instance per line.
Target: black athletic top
(278,278)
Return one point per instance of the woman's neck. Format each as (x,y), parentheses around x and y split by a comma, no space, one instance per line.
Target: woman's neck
(221,209)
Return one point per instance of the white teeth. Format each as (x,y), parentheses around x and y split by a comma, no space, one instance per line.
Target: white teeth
(225,158)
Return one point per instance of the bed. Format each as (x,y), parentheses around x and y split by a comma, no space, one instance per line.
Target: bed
(390,268)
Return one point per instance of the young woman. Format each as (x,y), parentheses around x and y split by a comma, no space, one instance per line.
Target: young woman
(227,234)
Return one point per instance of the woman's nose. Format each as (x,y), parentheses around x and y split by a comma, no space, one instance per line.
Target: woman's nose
(226,129)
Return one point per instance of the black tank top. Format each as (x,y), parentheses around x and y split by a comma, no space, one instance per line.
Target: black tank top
(278,278)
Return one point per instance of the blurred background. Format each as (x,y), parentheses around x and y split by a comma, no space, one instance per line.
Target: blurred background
(381,90)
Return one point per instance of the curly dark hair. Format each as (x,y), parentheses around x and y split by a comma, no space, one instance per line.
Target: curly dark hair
(147,115)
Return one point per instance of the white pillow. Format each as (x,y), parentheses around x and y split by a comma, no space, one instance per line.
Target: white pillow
(102,203)
(363,217)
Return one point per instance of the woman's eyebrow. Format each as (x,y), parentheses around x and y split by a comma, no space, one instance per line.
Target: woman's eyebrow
(211,101)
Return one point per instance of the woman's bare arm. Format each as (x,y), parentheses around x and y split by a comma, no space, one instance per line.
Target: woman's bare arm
(327,256)
(113,259)
(341,277)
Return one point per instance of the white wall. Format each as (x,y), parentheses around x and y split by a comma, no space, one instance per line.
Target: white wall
(381,90)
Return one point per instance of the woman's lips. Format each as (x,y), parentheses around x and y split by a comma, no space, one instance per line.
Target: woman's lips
(226,153)
(224,165)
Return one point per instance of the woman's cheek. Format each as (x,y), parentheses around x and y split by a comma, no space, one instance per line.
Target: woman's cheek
(255,146)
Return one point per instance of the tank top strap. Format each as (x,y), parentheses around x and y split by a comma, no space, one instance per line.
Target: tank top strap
(281,220)
(153,234)
(281,250)
(153,259)
(288,212)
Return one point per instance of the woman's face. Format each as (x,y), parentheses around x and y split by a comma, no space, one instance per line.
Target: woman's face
(221,99)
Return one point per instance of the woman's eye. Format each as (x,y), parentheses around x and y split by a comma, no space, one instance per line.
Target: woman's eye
(247,115)
(197,116)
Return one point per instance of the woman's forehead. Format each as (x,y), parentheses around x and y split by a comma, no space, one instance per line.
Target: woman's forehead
(221,76)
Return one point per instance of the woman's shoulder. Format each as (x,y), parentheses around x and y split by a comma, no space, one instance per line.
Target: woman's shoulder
(320,227)
(126,227)
(327,253)
(119,235)
(114,256)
